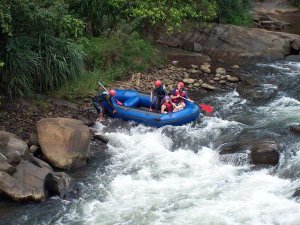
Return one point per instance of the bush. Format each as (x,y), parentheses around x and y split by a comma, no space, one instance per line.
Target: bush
(235,12)
(296,3)
(108,59)
(39,64)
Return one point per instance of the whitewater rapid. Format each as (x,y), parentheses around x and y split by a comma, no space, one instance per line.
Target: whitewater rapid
(175,175)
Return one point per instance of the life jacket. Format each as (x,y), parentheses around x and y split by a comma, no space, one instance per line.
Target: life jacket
(160,91)
(182,94)
(100,97)
(169,106)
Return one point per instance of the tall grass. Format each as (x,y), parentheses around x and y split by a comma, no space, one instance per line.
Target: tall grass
(108,59)
(39,64)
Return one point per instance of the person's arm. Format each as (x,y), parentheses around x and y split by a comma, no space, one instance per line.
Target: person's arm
(187,97)
(163,107)
(108,100)
(165,90)
(173,95)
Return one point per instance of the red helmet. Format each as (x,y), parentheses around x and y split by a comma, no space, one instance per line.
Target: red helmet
(157,83)
(181,84)
(112,92)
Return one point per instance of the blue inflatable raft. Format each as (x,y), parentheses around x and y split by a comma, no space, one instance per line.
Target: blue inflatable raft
(135,106)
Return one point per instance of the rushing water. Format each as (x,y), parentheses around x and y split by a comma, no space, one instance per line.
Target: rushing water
(174,175)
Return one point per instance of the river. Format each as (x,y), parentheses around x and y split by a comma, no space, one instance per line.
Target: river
(175,176)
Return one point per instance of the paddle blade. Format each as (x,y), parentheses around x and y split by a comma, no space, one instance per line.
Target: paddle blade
(206,108)
(118,102)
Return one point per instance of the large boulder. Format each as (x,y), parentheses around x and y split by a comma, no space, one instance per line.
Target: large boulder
(12,147)
(64,142)
(27,183)
(229,41)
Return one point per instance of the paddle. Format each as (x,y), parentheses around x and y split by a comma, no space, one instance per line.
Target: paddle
(151,102)
(206,108)
(118,102)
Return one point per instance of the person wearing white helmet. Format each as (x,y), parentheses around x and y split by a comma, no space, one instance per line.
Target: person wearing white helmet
(168,106)
(104,98)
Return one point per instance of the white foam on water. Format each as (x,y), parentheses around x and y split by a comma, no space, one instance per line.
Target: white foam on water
(153,185)
(284,108)
(288,68)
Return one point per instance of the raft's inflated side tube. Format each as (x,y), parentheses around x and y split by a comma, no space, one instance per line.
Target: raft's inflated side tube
(130,110)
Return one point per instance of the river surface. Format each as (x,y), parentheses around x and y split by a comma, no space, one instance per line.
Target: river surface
(174,175)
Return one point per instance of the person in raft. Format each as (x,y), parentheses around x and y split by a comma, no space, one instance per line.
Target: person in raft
(179,95)
(168,106)
(100,100)
(159,91)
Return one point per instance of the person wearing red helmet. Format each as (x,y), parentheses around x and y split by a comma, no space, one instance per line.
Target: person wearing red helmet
(178,96)
(105,98)
(159,91)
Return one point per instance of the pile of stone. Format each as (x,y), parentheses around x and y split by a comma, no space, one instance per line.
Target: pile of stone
(195,78)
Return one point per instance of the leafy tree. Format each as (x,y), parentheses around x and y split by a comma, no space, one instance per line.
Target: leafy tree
(98,15)
(161,14)
(235,12)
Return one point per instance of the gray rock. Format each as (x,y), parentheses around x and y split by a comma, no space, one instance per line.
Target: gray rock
(5,166)
(27,183)
(205,68)
(235,67)
(33,149)
(85,120)
(61,184)
(232,79)
(221,71)
(188,81)
(295,129)
(12,147)
(236,41)
(101,137)
(208,86)
(265,152)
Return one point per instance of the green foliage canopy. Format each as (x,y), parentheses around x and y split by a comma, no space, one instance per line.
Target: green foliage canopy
(161,14)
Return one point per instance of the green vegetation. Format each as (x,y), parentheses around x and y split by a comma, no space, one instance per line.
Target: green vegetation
(295,3)
(108,59)
(66,46)
(235,12)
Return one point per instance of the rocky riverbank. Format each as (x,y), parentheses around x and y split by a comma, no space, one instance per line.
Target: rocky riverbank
(41,133)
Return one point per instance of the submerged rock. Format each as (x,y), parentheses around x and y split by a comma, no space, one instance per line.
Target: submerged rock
(261,152)
(295,129)
(265,152)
